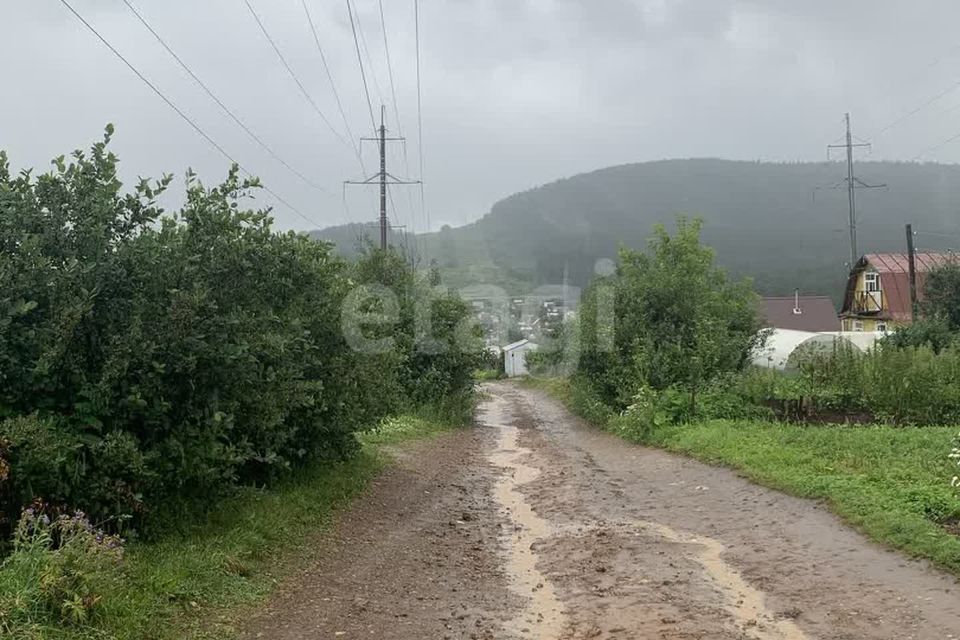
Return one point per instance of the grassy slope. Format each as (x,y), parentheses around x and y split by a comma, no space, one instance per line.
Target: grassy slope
(197,583)
(891,483)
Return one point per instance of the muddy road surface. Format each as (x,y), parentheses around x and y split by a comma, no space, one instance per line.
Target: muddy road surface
(532,525)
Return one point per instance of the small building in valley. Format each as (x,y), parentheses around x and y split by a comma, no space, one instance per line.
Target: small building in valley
(515,357)
(800,313)
(877,296)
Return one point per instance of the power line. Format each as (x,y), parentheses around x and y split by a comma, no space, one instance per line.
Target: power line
(220,103)
(918,109)
(393,88)
(935,147)
(296,79)
(326,68)
(363,75)
(416,18)
(938,234)
(180,113)
(366,53)
(396,112)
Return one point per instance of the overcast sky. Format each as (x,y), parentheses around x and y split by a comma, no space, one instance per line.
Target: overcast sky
(516,93)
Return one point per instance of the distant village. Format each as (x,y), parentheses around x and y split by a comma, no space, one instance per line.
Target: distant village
(882,293)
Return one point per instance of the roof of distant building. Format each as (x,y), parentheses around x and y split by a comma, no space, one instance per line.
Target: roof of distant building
(816,313)
(516,345)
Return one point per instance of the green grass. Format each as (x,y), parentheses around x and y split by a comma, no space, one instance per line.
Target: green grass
(482,375)
(199,582)
(892,483)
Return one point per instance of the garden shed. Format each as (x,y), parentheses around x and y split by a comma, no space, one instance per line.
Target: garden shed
(515,357)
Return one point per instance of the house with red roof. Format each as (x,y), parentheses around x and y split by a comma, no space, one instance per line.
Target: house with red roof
(877,297)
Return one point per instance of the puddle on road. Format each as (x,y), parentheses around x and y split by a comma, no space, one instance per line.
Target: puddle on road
(746,604)
(542,617)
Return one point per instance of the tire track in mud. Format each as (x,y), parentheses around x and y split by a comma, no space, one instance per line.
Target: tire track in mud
(746,604)
(542,617)
(647,544)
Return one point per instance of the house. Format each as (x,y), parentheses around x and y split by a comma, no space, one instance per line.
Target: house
(877,297)
(515,357)
(800,313)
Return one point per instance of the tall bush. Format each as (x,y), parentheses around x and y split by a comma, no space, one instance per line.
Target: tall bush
(149,362)
(677,319)
(436,344)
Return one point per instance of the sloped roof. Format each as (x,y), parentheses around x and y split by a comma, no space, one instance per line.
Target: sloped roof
(894,270)
(817,313)
(515,345)
(900,263)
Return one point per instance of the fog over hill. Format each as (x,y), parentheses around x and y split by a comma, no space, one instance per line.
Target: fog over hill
(783,224)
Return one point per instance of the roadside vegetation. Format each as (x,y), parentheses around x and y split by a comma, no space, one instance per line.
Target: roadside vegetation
(870,434)
(199,579)
(185,396)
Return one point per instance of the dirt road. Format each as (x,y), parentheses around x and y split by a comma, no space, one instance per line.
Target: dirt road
(532,525)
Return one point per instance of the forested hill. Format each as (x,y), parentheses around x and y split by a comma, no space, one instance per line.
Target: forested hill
(765,220)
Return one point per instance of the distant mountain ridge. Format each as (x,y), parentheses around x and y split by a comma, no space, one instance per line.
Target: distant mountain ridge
(766,220)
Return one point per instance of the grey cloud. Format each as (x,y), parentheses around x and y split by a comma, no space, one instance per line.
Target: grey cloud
(515,92)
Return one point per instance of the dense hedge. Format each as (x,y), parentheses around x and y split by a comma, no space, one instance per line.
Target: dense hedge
(150,362)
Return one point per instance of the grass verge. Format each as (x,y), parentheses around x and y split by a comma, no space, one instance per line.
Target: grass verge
(892,483)
(197,583)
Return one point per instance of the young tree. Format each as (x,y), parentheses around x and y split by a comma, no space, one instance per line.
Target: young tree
(678,319)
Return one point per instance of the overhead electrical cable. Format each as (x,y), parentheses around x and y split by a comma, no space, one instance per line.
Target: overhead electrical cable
(953,87)
(293,75)
(326,68)
(219,102)
(393,88)
(363,75)
(180,113)
(416,18)
(935,147)
(366,53)
(396,113)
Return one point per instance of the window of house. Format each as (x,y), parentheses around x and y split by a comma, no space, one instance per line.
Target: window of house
(871,281)
(858,325)
(882,326)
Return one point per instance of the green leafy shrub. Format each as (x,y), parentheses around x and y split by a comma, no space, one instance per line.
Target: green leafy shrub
(587,402)
(668,318)
(152,362)
(933,332)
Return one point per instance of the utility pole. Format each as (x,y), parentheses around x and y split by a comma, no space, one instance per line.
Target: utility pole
(912,268)
(383,177)
(383,181)
(853,183)
(851,191)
